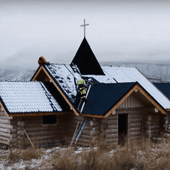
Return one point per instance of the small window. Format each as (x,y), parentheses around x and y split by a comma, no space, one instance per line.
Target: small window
(50,119)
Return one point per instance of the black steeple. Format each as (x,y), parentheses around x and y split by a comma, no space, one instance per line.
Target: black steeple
(86,60)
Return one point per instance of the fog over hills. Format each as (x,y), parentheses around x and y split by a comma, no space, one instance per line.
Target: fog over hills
(24,72)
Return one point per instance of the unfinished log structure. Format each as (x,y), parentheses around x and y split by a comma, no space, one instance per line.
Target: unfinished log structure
(121,103)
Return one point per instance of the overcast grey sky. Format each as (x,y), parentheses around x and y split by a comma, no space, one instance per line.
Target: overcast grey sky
(117,31)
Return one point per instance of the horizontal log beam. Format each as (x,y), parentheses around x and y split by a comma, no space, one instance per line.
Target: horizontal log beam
(135,124)
(135,129)
(4,142)
(136,109)
(3,116)
(7,126)
(112,126)
(110,122)
(114,141)
(135,133)
(109,136)
(7,135)
(39,133)
(85,136)
(135,120)
(152,126)
(84,144)
(84,140)
(4,130)
(109,131)
(152,131)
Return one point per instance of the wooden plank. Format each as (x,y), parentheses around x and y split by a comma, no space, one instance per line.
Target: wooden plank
(135,120)
(28,138)
(8,130)
(4,142)
(135,133)
(83,144)
(135,137)
(152,126)
(84,140)
(5,117)
(39,133)
(7,126)
(111,140)
(85,136)
(108,136)
(152,123)
(38,114)
(109,131)
(5,138)
(135,124)
(136,129)
(112,126)
(110,122)
(153,131)
(135,116)
(8,135)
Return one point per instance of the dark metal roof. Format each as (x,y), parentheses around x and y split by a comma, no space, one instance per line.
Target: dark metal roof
(164,88)
(86,60)
(102,97)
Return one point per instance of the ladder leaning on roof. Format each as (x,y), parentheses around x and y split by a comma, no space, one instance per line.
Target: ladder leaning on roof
(78,131)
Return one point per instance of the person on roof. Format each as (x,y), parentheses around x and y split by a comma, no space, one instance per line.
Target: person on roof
(82,89)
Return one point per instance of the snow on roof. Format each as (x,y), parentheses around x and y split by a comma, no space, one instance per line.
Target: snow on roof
(65,78)
(131,74)
(64,75)
(27,97)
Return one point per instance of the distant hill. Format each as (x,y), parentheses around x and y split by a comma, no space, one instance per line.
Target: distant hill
(155,72)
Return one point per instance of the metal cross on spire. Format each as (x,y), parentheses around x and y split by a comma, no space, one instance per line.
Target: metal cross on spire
(84,28)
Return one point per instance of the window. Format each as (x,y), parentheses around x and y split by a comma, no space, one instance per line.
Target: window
(50,119)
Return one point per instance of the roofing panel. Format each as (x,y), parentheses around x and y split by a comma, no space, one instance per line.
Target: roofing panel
(130,74)
(121,74)
(64,78)
(27,97)
(102,79)
(164,88)
(150,88)
(112,73)
(102,97)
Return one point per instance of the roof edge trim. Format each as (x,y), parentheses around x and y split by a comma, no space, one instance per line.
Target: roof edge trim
(143,91)
(58,88)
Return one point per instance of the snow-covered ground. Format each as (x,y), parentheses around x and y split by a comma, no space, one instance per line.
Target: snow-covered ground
(35,163)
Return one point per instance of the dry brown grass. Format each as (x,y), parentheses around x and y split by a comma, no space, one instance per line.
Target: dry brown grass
(141,155)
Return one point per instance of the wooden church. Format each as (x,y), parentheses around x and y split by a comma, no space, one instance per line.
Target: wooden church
(121,103)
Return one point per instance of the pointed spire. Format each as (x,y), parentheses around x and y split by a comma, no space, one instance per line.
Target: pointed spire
(86,60)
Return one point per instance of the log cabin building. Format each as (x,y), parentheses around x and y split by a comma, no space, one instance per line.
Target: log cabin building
(121,102)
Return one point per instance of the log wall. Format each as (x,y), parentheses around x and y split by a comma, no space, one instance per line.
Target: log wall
(42,134)
(8,132)
(131,102)
(135,126)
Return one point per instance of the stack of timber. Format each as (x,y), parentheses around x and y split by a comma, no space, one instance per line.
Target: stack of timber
(135,126)
(8,130)
(109,129)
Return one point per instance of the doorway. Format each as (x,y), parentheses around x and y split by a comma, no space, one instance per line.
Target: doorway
(122,128)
